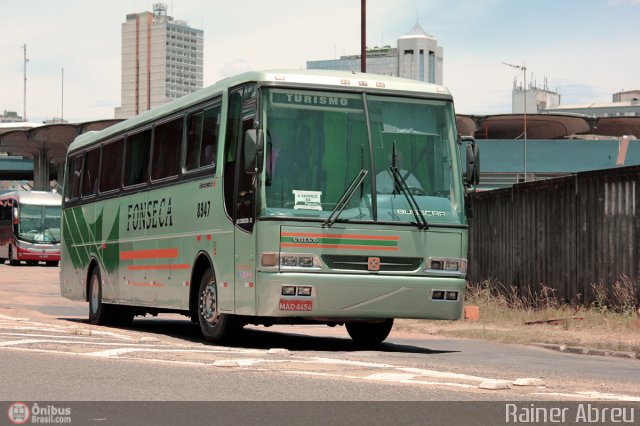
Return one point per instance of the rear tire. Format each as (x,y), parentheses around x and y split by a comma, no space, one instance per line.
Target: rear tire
(367,333)
(215,327)
(104,313)
(99,313)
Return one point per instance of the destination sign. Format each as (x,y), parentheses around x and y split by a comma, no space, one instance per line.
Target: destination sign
(324,101)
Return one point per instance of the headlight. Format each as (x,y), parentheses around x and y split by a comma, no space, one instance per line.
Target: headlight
(446,265)
(289,261)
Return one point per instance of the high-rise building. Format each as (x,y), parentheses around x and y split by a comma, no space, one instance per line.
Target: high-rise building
(538,98)
(417,57)
(161,61)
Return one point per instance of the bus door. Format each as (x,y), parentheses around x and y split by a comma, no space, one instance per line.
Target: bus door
(240,197)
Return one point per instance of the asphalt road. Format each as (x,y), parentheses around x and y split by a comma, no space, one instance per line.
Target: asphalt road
(54,354)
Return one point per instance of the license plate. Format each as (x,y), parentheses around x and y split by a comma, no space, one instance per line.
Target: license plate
(296,305)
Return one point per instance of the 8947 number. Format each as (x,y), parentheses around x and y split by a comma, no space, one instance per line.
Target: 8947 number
(204,209)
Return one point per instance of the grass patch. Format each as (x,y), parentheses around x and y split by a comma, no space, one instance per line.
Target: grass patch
(611,322)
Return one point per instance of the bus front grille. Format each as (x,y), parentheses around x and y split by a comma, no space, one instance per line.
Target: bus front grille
(361,263)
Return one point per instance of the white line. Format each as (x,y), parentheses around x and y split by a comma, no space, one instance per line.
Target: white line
(112,352)
(592,394)
(442,374)
(51,336)
(401,381)
(416,371)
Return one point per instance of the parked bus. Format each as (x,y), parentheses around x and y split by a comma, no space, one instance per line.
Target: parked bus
(30,227)
(273,197)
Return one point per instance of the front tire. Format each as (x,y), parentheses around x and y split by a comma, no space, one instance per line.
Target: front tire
(215,326)
(367,333)
(12,261)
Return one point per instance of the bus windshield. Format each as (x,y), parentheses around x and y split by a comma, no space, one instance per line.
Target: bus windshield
(318,143)
(39,224)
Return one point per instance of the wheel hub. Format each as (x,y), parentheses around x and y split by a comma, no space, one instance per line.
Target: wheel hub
(209,305)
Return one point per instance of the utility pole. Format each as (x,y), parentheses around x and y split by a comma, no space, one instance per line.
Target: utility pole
(524,72)
(363,35)
(62,98)
(24,112)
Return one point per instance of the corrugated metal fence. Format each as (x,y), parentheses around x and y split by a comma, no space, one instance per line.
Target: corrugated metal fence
(563,233)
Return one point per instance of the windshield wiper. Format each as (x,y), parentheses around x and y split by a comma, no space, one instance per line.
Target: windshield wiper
(401,184)
(346,197)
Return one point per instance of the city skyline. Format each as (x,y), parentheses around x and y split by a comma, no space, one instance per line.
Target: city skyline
(585,49)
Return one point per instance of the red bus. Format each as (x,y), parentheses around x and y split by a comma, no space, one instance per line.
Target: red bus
(30,227)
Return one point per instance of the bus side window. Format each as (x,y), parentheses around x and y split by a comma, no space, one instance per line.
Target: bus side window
(210,133)
(74,173)
(111,165)
(137,158)
(167,138)
(203,129)
(90,173)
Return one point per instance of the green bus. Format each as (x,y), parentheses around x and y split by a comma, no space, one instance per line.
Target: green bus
(276,197)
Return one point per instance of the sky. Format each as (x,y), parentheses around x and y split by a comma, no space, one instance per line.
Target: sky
(585,49)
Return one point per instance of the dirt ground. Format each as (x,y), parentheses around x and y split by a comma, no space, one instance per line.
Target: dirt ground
(570,332)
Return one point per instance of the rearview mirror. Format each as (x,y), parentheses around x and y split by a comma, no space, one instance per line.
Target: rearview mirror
(472,175)
(253,151)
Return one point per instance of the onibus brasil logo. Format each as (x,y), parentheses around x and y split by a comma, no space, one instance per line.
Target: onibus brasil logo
(20,413)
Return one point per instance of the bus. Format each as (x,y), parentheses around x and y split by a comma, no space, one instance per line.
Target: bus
(30,227)
(265,199)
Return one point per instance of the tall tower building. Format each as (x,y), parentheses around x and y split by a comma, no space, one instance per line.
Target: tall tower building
(161,61)
(417,57)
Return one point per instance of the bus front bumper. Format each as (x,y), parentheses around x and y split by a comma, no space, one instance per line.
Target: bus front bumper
(354,296)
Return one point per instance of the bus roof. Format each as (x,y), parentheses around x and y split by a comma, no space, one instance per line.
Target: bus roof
(358,82)
(40,198)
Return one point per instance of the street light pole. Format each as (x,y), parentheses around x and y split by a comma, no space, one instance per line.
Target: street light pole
(363,35)
(24,113)
(524,72)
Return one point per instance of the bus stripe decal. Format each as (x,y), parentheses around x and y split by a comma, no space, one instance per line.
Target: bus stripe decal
(336,241)
(342,236)
(340,246)
(158,267)
(145,284)
(149,254)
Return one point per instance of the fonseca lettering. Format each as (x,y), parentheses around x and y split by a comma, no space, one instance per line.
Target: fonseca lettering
(431,213)
(149,215)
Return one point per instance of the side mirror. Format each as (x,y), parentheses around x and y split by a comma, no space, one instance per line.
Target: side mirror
(472,175)
(253,151)
(473,164)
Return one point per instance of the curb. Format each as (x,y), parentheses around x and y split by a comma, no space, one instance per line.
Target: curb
(586,351)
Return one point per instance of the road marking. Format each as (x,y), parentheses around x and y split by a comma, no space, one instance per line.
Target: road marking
(592,394)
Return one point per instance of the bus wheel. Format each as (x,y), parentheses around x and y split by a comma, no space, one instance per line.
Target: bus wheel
(12,261)
(367,333)
(99,313)
(215,327)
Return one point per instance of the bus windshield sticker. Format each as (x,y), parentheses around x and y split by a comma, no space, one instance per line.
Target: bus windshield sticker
(307,200)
